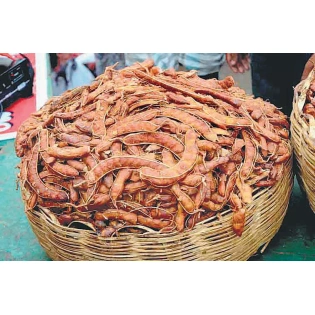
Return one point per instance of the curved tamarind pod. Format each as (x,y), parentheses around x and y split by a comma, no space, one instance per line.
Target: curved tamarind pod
(176,98)
(152,223)
(36,183)
(131,188)
(180,218)
(99,199)
(43,146)
(172,87)
(83,126)
(171,175)
(185,201)
(160,138)
(246,191)
(238,219)
(205,145)
(75,139)
(265,183)
(168,158)
(250,155)
(62,169)
(192,180)
(80,166)
(199,125)
(228,121)
(116,214)
(113,163)
(222,96)
(75,114)
(68,153)
(136,126)
(118,185)
(211,165)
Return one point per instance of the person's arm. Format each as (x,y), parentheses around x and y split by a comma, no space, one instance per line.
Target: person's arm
(308,67)
(239,62)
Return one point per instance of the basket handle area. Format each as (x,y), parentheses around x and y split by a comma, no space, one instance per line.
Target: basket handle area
(303,87)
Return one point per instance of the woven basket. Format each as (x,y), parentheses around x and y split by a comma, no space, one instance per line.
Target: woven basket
(303,144)
(212,239)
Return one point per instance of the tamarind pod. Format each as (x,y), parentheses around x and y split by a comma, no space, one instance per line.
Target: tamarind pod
(180,218)
(135,176)
(134,150)
(103,189)
(256,113)
(100,199)
(199,125)
(192,180)
(152,223)
(266,133)
(109,121)
(142,116)
(222,96)
(265,183)
(210,205)
(228,168)
(83,126)
(74,196)
(211,165)
(108,180)
(36,183)
(132,99)
(74,114)
(250,155)
(43,146)
(283,158)
(222,120)
(116,214)
(106,166)
(107,231)
(144,102)
(118,185)
(246,191)
(176,98)
(284,133)
(116,148)
(189,190)
(211,181)
(225,141)
(62,169)
(46,173)
(237,145)
(205,145)
(200,195)
(31,202)
(169,125)
(158,213)
(171,175)
(89,116)
(80,166)
(168,158)
(75,139)
(221,184)
(238,221)
(216,198)
(65,219)
(104,145)
(131,127)
(68,153)
(227,82)
(89,160)
(106,86)
(160,138)
(167,205)
(280,122)
(172,87)
(185,201)
(134,187)
(236,202)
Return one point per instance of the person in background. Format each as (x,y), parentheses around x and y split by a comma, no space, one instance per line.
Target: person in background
(207,64)
(274,76)
(103,60)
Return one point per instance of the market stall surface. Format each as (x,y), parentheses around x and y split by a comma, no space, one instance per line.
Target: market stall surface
(294,241)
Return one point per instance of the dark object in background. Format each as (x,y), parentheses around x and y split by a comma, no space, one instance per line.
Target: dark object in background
(16,81)
(103,60)
(275,75)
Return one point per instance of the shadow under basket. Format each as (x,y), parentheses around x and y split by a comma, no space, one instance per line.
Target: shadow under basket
(212,239)
(302,141)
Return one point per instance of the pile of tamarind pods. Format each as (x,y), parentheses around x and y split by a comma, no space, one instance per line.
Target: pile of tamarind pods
(142,149)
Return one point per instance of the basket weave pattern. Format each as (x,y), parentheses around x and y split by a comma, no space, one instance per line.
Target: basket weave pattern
(212,239)
(304,148)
